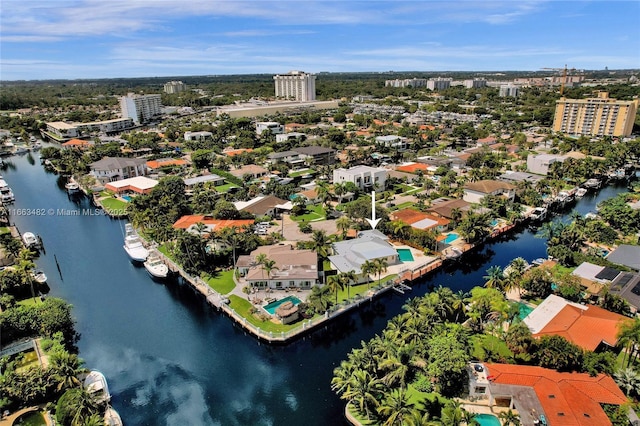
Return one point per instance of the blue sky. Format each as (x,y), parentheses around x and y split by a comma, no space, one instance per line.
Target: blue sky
(72,39)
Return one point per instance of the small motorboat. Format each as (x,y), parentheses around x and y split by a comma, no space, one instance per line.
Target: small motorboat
(581,192)
(156,267)
(452,253)
(96,384)
(112,418)
(133,245)
(30,240)
(72,187)
(39,276)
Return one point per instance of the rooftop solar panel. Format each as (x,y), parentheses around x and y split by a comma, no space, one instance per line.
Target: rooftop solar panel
(607,274)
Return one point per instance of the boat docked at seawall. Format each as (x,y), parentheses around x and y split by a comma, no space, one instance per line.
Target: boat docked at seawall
(581,192)
(72,187)
(133,245)
(156,267)
(96,384)
(112,418)
(592,183)
(30,240)
(538,214)
(39,276)
(452,253)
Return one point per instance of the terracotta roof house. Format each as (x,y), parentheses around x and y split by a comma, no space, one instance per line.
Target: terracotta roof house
(232,152)
(261,206)
(587,326)
(166,162)
(474,192)
(77,144)
(295,268)
(188,223)
(545,396)
(420,220)
(413,168)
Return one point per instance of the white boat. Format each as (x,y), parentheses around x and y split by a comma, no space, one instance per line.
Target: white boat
(156,267)
(592,183)
(96,385)
(452,253)
(133,245)
(539,213)
(39,276)
(72,187)
(30,240)
(112,418)
(581,192)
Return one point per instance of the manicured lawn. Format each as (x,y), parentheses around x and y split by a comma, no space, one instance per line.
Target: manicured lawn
(361,288)
(29,301)
(302,172)
(222,282)
(242,307)
(480,344)
(404,205)
(314,213)
(4,230)
(113,204)
(412,191)
(226,187)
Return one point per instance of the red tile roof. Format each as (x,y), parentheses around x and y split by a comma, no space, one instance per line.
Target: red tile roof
(586,328)
(413,168)
(154,164)
(187,221)
(77,143)
(410,216)
(568,399)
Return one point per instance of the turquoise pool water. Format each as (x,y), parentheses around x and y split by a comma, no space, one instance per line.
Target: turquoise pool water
(451,237)
(271,307)
(494,222)
(405,255)
(487,420)
(126,198)
(524,310)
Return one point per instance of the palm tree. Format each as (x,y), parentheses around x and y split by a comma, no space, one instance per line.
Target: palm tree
(368,268)
(343,223)
(320,298)
(269,265)
(364,392)
(629,380)
(629,335)
(381,265)
(320,243)
(66,367)
(396,407)
(348,278)
(494,278)
(339,190)
(509,418)
(335,284)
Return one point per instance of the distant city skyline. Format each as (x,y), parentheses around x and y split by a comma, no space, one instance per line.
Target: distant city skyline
(74,39)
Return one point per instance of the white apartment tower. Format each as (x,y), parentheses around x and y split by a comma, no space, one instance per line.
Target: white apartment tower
(476,83)
(510,89)
(296,85)
(439,83)
(140,108)
(173,87)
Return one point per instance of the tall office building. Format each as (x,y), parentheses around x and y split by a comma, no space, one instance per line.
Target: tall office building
(296,85)
(601,116)
(140,108)
(173,87)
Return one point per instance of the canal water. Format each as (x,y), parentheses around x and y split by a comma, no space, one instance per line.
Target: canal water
(171,360)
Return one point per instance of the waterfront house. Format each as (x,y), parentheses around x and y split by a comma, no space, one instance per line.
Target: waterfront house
(541,163)
(111,169)
(369,245)
(78,144)
(137,185)
(293,268)
(445,207)
(544,396)
(474,192)
(588,326)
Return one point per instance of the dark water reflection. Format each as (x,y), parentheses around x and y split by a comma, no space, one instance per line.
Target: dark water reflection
(168,357)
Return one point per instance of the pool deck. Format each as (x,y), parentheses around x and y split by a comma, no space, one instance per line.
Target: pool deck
(8,420)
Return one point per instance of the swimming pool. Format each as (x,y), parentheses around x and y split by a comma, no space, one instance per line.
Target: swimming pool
(524,310)
(405,255)
(126,198)
(271,307)
(494,222)
(487,420)
(451,237)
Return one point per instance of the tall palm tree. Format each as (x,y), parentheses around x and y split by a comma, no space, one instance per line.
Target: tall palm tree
(320,243)
(396,407)
(335,284)
(269,265)
(368,268)
(381,265)
(629,336)
(347,279)
(66,368)
(494,278)
(343,223)
(364,392)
